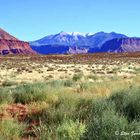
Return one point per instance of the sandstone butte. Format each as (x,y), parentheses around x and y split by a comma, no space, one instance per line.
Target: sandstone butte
(12,45)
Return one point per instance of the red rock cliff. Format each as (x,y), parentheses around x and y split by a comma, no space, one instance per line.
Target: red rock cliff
(11,45)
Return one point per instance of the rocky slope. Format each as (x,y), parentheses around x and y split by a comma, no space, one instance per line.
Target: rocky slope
(6,36)
(121,45)
(11,45)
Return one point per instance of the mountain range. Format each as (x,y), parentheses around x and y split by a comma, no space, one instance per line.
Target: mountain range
(74,42)
(69,43)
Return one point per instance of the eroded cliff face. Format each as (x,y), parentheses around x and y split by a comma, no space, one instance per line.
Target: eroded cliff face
(14,47)
(11,45)
(131,44)
(121,45)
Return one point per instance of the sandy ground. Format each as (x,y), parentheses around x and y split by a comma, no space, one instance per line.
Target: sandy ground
(35,71)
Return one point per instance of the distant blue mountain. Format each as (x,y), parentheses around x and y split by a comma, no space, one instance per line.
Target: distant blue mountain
(74,42)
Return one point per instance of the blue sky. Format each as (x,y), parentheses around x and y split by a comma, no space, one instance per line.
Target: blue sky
(33,19)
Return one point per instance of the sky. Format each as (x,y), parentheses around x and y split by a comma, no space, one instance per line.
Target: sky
(30,20)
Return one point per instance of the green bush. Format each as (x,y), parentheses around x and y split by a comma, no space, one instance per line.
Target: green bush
(68,83)
(120,112)
(103,126)
(8,83)
(11,130)
(131,108)
(83,109)
(127,103)
(70,130)
(56,83)
(56,114)
(43,132)
(100,105)
(30,93)
(93,77)
(119,98)
(77,77)
(5,96)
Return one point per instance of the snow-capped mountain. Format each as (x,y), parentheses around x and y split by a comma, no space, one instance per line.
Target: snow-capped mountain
(63,38)
(86,41)
(77,39)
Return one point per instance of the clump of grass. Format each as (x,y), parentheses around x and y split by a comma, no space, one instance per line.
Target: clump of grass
(5,96)
(37,107)
(61,83)
(68,83)
(105,125)
(83,109)
(104,121)
(30,93)
(43,132)
(118,97)
(84,86)
(127,102)
(50,69)
(10,129)
(57,83)
(131,108)
(8,83)
(93,77)
(77,77)
(70,130)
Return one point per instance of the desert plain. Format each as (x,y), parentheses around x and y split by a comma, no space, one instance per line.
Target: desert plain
(69,97)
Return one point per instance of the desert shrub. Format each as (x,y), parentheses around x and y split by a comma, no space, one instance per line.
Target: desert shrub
(134,130)
(55,114)
(119,112)
(131,108)
(77,77)
(57,83)
(68,83)
(30,93)
(118,97)
(84,86)
(67,130)
(5,96)
(104,125)
(100,105)
(134,126)
(104,121)
(83,109)
(37,107)
(61,83)
(43,132)
(94,77)
(11,130)
(127,102)
(61,105)
(8,83)
(70,130)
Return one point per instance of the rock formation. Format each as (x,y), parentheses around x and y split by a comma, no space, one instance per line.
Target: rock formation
(121,45)
(11,45)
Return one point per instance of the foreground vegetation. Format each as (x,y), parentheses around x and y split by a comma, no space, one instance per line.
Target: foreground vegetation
(72,109)
(70,97)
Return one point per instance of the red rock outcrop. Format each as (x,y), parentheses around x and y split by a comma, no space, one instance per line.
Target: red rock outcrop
(11,45)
